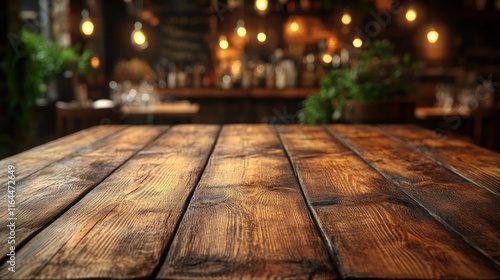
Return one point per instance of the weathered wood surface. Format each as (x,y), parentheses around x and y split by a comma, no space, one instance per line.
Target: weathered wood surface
(470,211)
(43,195)
(364,215)
(255,201)
(247,218)
(35,159)
(477,164)
(121,228)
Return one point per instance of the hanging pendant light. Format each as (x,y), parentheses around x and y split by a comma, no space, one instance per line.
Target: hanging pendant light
(240,29)
(138,38)
(261,7)
(86,25)
(432,35)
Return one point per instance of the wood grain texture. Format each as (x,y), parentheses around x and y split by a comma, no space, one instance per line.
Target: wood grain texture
(247,218)
(120,228)
(44,194)
(32,160)
(470,211)
(373,227)
(477,164)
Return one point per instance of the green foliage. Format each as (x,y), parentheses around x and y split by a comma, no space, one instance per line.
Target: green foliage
(28,68)
(378,75)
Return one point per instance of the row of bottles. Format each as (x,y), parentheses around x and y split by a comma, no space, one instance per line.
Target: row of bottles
(173,76)
(279,72)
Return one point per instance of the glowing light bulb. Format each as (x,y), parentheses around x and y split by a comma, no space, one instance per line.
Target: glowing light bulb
(223,43)
(327,58)
(261,37)
(261,6)
(241,31)
(346,19)
(138,37)
(86,25)
(411,15)
(294,26)
(432,36)
(95,62)
(357,42)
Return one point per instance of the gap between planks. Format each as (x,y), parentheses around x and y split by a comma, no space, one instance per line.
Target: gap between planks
(448,219)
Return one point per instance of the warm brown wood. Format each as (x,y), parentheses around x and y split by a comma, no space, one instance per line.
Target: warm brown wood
(121,228)
(247,218)
(46,193)
(36,158)
(477,164)
(253,202)
(372,226)
(470,211)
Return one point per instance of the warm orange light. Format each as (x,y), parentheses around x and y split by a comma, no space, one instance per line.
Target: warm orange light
(87,27)
(357,42)
(223,43)
(95,62)
(327,58)
(138,37)
(261,6)
(411,15)
(432,36)
(294,26)
(346,19)
(261,37)
(241,31)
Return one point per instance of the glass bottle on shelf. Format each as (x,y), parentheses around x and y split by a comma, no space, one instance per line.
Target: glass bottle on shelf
(181,78)
(226,80)
(280,73)
(308,72)
(189,76)
(270,75)
(247,76)
(172,76)
(197,75)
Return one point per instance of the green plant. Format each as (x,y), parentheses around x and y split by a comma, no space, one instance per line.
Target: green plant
(28,68)
(378,75)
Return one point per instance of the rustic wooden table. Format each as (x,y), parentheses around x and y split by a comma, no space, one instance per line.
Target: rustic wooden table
(252,201)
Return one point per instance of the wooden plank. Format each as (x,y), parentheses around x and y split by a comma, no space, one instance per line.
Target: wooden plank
(247,217)
(36,158)
(470,211)
(479,165)
(43,195)
(375,230)
(121,227)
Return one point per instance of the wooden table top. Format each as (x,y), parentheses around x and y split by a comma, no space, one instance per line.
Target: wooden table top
(253,201)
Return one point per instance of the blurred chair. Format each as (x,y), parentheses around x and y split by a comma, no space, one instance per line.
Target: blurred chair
(72,118)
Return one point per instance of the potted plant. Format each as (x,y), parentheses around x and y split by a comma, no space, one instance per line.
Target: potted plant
(31,63)
(376,89)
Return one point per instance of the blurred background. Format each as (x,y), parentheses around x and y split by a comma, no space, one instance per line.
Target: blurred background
(249,61)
